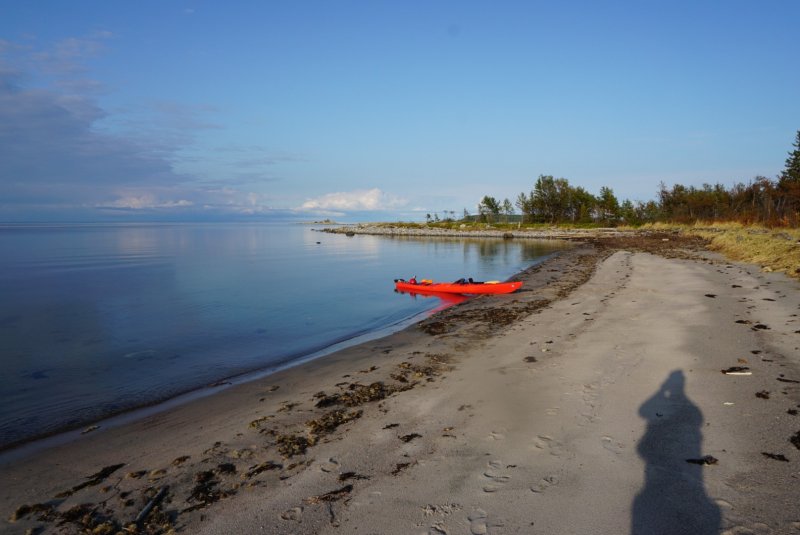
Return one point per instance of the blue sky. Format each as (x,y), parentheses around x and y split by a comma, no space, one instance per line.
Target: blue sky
(381,110)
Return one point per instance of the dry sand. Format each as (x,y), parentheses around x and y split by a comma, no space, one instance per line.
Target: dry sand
(570,407)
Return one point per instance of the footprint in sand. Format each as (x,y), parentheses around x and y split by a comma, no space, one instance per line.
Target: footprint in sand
(438,529)
(292,514)
(545,483)
(479,522)
(612,445)
(754,529)
(495,475)
(331,465)
(494,435)
(548,443)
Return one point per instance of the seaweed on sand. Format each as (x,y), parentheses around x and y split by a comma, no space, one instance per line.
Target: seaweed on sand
(357,394)
(292,444)
(92,480)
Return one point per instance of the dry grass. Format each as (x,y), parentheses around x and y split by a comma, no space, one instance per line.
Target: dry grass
(772,249)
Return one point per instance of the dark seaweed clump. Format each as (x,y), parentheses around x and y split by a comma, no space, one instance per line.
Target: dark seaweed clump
(357,394)
(290,445)
(795,439)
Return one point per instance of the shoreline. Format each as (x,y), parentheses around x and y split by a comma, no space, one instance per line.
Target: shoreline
(19,448)
(493,416)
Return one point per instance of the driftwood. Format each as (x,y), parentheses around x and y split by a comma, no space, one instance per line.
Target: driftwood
(152,503)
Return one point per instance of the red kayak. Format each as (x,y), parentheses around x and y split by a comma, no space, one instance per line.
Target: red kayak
(493,287)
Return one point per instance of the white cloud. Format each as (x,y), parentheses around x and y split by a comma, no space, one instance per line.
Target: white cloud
(354,201)
(145,202)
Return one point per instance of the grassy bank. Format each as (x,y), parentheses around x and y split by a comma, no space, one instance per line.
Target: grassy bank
(772,249)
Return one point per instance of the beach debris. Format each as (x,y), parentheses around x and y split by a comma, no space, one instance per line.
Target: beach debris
(156,474)
(149,507)
(332,496)
(256,424)
(399,468)
(410,437)
(291,445)
(358,394)
(795,439)
(744,322)
(351,475)
(763,394)
(44,510)
(90,429)
(92,480)
(792,412)
(180,460)
(728,403)
(226,468)
(760,327)
(712,296)
(391,426)
(263,467)
(436,365)
(783,380)
(737,370)
(775,456)
(88,518)
(286,406)
(328,422)
(705,460)
(244,453)
(205,491)
(530,359)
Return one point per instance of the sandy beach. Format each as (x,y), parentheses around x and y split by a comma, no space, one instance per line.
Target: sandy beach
(592,401)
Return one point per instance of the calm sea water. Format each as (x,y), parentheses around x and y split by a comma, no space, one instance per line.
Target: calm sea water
(96,320)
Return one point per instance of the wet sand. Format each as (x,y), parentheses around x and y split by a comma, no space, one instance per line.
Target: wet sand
(593,401)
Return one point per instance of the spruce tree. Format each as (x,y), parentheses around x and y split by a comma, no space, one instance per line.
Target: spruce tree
(792,171)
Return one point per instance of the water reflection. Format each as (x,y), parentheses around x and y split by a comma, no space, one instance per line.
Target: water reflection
(104,317)
(447,299)
(673,500)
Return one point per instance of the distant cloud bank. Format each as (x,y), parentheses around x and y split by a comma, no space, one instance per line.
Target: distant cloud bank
(63,156)
(354,201)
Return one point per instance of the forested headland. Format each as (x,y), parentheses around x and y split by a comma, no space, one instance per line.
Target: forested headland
(764,201)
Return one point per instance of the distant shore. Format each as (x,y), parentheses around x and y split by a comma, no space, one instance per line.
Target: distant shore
(591,401)
(552,233)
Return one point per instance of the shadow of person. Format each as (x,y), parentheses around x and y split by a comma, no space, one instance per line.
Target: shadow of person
(673,499)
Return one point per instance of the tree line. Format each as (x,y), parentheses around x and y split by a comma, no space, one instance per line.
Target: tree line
(773,202)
